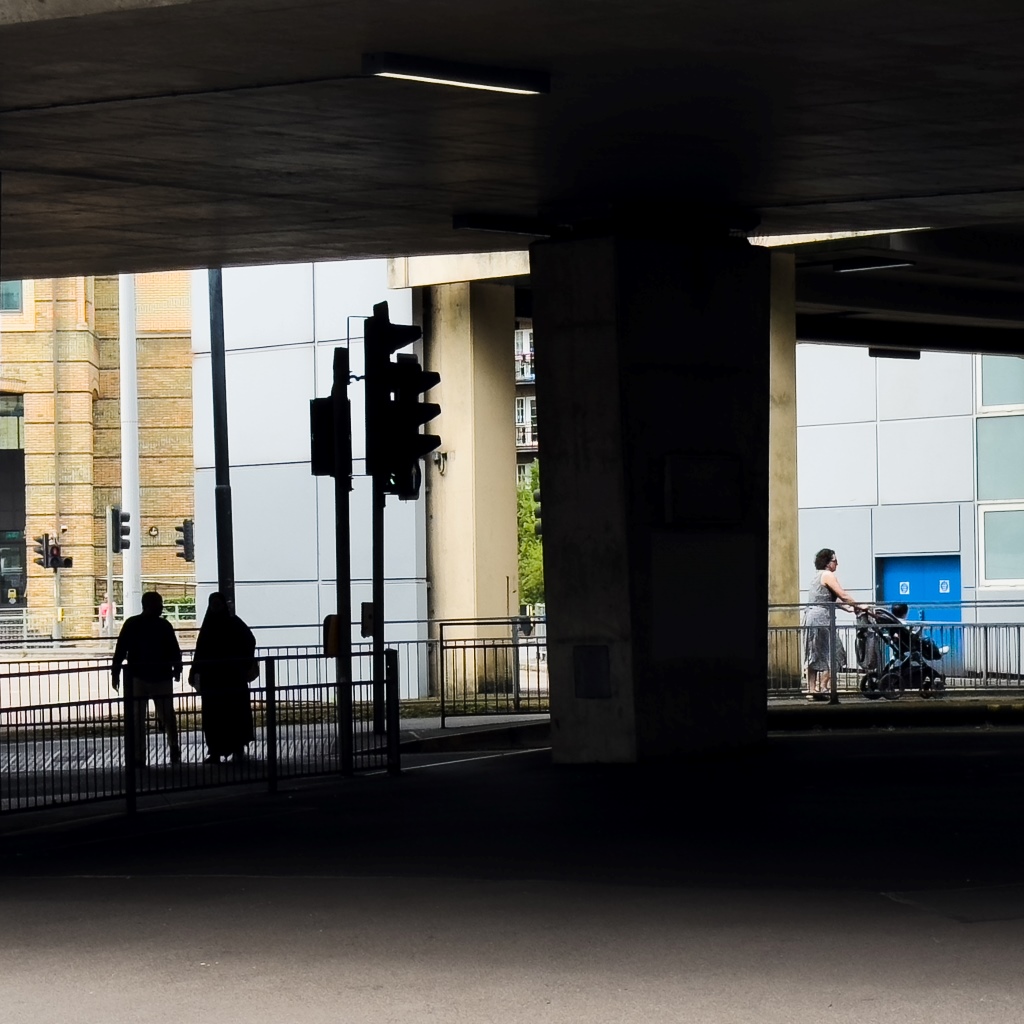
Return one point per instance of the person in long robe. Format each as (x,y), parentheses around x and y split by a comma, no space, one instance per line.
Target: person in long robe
(221,670)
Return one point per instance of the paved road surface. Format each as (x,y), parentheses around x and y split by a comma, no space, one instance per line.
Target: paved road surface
(837,878)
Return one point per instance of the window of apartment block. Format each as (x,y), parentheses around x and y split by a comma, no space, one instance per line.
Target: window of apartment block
(524,354)
(526,421)
(1000,469)
(1001,533)
(1002,382)
(523,475)
(10,296)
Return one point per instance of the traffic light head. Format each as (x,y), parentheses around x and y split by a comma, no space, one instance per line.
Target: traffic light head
(56,560)
(42,550)
(187,540)
(119,530)
(381,338)
(408,414)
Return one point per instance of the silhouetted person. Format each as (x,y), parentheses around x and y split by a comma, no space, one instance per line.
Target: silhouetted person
(221,672)
(147,642)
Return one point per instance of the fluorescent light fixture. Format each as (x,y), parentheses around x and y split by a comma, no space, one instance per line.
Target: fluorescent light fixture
(852,264)
(463,76)
(805,237)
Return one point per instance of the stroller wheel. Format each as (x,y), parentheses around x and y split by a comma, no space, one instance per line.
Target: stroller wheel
(890,686)
(869,686)
(925,689)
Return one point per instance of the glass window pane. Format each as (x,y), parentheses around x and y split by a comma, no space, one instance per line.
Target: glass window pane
(10,296)
(1000,466)
(1002,380)
(1004,545)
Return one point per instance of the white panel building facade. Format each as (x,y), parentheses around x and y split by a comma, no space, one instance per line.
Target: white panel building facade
(281,326)
(913,467)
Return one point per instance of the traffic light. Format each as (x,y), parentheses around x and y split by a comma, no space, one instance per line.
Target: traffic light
(120,531)
(536,513)
(55,560)
(380,339)
(394,412)
(42,549)
(408,415)
(187,540)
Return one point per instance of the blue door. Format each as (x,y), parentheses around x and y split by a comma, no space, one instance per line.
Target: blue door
(921,579)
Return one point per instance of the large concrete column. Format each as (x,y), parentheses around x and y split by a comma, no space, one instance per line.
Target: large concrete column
(653,394)
(783,506)
(471,480)
(784,641)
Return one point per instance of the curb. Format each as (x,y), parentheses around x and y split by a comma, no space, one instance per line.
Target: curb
(909,712)
(527,736)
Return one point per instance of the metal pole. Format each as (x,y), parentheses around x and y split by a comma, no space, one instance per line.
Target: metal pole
(58,620)
(109,618)
(833,655)
(443,673)
(131,559)
(393,713)
(342,554)
(271,724)
(515,664)
(221,462)
(57,631)
(130,742)
(379,498)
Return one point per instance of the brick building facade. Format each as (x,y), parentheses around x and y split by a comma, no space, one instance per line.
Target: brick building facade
(59,352)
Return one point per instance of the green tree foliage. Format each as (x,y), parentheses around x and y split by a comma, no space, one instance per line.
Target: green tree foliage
(531,561)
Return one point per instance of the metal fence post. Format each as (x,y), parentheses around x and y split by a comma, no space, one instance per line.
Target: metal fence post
(131,740)
(516,699)
(833,655)
(444,666)
(271,724)
(394,720)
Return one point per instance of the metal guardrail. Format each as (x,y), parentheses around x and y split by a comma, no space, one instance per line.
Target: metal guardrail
(492,666)
(977,657)
(75,751)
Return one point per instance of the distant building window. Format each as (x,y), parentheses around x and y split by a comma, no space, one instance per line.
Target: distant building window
(1002,544)
(523,474)
(12,422)
(1002,381)
(1000,471)
(10,296)
(524,354)
(526,422)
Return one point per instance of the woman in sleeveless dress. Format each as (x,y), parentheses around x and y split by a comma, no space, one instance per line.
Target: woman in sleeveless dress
(824,591)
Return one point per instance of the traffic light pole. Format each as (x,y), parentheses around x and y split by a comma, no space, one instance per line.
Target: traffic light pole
(379,499)
(342,414)
(221,463)
(107,626)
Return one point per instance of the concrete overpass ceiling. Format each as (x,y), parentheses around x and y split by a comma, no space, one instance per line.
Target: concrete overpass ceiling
(165,135)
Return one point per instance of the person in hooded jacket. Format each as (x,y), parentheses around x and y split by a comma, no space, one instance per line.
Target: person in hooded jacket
(222,668)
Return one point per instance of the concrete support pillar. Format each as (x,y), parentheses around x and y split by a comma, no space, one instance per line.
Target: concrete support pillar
(784,641)
(653,395)
(471,479)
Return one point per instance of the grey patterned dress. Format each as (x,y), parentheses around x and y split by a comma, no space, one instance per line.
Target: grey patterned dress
(817,619)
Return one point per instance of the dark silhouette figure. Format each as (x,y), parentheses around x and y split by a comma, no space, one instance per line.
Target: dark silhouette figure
(148,643)
(221,671)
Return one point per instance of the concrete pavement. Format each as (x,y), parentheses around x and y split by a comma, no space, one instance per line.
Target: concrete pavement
(827,877)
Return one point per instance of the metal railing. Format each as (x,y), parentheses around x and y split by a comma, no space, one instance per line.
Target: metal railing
(492,666)
(976,657)
(79,750)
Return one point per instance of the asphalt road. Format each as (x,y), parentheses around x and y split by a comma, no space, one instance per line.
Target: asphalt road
(861,877)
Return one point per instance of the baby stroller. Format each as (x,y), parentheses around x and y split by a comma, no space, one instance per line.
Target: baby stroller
(895,657)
